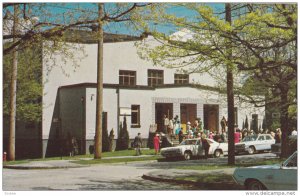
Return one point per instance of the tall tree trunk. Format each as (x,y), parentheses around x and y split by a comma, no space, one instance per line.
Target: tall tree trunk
(99,106)
(284,119)
(230,98)
(13,92)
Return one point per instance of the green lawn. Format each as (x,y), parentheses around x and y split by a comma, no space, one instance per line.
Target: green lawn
(208,178)
(115,160)
(91,156)
(212,167)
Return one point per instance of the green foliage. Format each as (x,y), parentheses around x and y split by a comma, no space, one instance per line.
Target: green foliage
(259,46)
(123,137)
(105,141)
(29,84)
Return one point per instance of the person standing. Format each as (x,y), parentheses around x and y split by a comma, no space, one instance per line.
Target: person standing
(189,130)
(111,139)
(223,124)
(138,144)
(74,146)
(176,125)
(166,124)
(156,142)
(278,136)
(170,127)
(205,146)
(294,133)
(180,136)
(237,136)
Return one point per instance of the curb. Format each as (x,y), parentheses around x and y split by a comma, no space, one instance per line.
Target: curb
(20,167)
(40,167)
(212,186)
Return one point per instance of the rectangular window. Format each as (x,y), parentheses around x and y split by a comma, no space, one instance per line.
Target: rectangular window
(155,77)
(135,116)
(127,78)
(181,78)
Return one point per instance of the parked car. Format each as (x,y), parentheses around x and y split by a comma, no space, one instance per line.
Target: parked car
(253,143)
(291,143)
(269,177)
(193,148)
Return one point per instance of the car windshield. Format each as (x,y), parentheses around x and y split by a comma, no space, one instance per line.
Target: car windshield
(188,142)
(250,138)
(291,161)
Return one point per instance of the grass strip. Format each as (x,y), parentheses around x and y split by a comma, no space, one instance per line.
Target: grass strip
(208,178)
(213,167)
(115,160)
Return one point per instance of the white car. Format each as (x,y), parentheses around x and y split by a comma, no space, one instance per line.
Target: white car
(269,177)
(253,143)
(193,147)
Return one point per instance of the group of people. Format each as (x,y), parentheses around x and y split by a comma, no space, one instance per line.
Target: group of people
(172,127)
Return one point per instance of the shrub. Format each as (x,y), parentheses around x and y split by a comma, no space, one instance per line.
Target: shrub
(123,137)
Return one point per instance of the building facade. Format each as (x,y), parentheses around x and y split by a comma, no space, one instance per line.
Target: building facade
(133,87)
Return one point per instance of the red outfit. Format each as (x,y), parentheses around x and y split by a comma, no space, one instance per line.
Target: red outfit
(237,136)
(156,142)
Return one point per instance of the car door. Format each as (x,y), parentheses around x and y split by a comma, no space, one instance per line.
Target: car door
(200,150)
(285,178)
(269,142)
(194,147)
(260,143)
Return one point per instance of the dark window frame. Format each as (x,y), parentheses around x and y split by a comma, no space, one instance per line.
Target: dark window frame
(127,77)
(135,116)
(155,77)
(181,78)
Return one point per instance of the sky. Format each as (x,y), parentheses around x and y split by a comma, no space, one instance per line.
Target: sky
(56,10)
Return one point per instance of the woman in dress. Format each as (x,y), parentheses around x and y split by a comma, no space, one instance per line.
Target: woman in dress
(156,142)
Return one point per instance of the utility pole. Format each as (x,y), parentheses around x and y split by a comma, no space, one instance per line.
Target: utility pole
(230,96)
(13,90)
(99,104)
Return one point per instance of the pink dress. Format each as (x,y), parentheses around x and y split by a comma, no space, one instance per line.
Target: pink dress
(237,136)
(156,143)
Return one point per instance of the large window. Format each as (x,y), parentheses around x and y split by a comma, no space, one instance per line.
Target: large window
(135,116)
(155,77)
(127,78)
(181,78)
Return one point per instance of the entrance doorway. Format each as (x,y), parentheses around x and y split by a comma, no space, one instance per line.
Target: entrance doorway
(188,113)
(211,114)
(162,109)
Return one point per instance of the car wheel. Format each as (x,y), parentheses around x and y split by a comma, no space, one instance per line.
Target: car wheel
(251,150)
(187,155)
(255,185)
(217,153)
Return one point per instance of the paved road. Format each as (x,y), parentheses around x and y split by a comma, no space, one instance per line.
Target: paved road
(98,177)
(103,177)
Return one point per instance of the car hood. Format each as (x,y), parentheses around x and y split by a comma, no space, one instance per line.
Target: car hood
(275,166)
(172,148)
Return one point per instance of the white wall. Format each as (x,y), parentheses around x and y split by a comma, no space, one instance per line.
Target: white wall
(117,56)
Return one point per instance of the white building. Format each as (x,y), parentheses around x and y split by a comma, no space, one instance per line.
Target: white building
(133,85)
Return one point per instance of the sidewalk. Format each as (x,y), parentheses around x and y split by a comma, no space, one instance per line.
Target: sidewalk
(59,164)
(52,164)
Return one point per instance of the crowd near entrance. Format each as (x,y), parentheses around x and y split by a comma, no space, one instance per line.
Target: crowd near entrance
(188,115)
(162,109)
(211,117)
